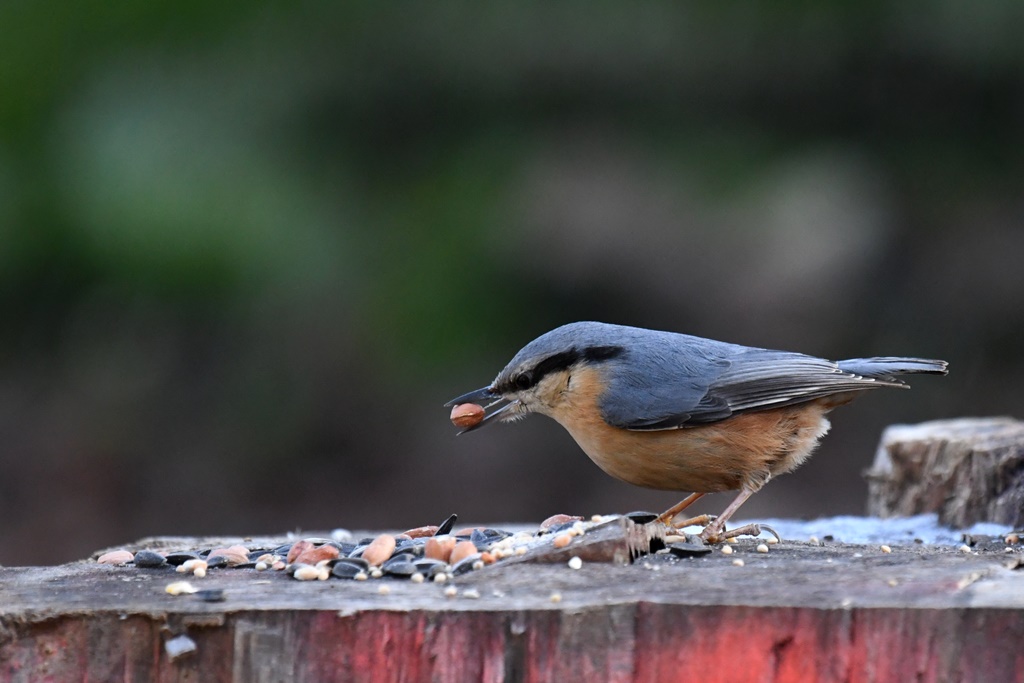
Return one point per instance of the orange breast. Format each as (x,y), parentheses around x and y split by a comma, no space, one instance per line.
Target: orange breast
(742,451)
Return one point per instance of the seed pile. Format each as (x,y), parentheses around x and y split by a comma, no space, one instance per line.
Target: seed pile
(434,553)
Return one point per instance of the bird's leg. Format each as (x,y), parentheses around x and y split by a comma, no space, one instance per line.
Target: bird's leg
(699,520)
(714,532)
(749,530)
(667,516)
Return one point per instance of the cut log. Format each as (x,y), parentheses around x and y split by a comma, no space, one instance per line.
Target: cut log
(967,470)
(799,612)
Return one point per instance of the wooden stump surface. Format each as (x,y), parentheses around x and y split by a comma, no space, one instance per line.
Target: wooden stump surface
(800,612)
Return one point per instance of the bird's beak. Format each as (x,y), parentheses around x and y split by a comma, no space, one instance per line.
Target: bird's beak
(488,399)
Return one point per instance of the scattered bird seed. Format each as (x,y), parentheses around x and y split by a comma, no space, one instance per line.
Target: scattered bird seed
(738,562)
(346,570)
(886,549)
(306,572)
(461,551)
(772,541)
(384,589)
(376,573)
(813,540)
(575,563)
(556,597)
(261,566)
(360,576)
(892,582)
(965,548)
(727,550)
(380,549)
(416,578)
(447,525)
(451,592)
(211,595)
(687,549)
(562,540)
(762,548)
(180,588)
(115,557)
(147,559)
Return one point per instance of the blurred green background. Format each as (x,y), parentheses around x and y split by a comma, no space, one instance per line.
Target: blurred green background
(247,251)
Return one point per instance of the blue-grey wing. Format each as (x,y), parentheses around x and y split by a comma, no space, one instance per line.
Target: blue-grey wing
(703,381)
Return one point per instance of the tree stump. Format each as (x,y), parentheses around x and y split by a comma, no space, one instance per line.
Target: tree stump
(967,470)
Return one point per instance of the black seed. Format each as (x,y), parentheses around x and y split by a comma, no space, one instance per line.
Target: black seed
(343,569)
(447,525)
(210,595)
(480,539)
(399,568)
(408,551)
(642,517)
(214,561)
(283,550)
(430,567)
(148,559)
(180,558)
(688,549)
(465,564)
(256,554)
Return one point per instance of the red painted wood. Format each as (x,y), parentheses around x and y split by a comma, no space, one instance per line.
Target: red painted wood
(646,642)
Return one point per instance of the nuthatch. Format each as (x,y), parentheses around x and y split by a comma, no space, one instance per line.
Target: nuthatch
(681,413)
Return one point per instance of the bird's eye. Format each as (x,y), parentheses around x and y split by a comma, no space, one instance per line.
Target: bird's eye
(523,381)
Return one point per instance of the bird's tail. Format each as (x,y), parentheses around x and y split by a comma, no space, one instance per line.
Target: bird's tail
(886,368)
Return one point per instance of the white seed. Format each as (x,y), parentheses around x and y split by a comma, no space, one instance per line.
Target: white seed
(376,573)
(360,576)
(965,548)
(306,573)
(886,549)
(261,566)
(813,540)
(450,591)
(478,565)
(416,578)
(892,582)
(384,589)
(575,563)
(772,541)
(595,518)
(1007,549)
(199,572)
(440,577)
(762,548)
(180,588)
(471,593)
(737,562)
(578,529)
(556,597)
(727,550)
(521,550)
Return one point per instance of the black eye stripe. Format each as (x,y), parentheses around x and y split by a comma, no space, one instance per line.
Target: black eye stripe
(562,361)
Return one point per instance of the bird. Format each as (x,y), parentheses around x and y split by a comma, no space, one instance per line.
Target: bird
(676,412)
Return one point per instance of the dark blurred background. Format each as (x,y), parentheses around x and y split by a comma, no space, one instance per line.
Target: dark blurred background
(248,251)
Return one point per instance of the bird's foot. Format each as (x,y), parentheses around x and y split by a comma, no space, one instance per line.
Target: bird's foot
(714,536)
